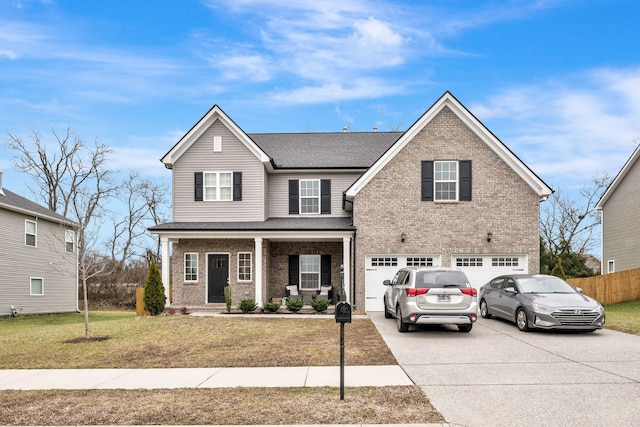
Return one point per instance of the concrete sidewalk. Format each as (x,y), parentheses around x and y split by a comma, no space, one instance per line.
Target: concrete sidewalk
(304,376)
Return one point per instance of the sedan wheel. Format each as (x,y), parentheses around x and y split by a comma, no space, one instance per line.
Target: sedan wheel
(387,315)
(521,320)
(484,310)
(402,327)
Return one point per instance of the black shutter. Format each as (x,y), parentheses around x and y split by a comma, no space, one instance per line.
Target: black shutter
(464,167)
(197,186)
(237,186)
(427,180)
(325,270)
(294,203)
(325,196)
(294,269)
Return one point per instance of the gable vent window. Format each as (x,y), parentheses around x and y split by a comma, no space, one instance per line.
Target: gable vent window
(446,181)
(217,144)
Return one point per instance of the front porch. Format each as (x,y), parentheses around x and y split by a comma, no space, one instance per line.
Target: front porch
(256,264)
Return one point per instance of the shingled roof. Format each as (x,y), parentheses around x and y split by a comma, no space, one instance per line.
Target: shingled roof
(342,150)
(13,202)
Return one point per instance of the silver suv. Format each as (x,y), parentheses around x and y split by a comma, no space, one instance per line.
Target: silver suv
(431,296)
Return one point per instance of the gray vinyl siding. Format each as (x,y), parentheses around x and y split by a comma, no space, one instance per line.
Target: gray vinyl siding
(621,223)
(279,191)
(235,157)
(48,260)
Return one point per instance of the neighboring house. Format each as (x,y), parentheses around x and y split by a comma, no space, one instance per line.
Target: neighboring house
(619,212)
(263,211)
(38,258)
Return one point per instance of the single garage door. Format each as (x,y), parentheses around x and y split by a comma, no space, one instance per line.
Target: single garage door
(481,269)
(379,268)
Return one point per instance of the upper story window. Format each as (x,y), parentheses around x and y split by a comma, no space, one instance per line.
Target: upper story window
(446,180)
(310,196)
(217,186)
(30,231)
(69,240)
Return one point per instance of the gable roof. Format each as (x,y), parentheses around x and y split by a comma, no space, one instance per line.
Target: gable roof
(449,101)
(13,202)
(339,150)
(214,114)
(618,179)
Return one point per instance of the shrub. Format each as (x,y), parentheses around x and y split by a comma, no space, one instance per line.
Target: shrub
(271,306)
(294,304)
(247,306)
(154,297)
(319,304)
(227,298)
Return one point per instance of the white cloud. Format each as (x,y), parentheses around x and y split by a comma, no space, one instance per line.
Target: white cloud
(569,131)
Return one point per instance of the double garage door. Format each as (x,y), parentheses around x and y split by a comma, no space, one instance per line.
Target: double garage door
(478,268)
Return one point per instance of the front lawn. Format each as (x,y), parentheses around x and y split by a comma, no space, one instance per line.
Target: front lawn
(123,341)
(624,317)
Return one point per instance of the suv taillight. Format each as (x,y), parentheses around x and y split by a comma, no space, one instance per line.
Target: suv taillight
(412,292)
(470,291)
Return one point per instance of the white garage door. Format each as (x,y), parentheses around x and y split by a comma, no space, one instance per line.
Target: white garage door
(482,268)
(379,268)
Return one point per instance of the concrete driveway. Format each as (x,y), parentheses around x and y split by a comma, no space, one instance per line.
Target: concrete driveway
(496,375)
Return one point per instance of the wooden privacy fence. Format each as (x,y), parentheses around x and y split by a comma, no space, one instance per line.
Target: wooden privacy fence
(611,288)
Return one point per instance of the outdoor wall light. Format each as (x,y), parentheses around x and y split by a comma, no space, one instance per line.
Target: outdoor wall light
(489,236)
(403,236)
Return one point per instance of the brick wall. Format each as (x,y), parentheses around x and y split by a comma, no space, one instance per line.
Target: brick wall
(275,268)
(391,203)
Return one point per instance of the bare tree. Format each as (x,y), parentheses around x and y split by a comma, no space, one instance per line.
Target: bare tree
(567,226)
(143,199)
(73,180)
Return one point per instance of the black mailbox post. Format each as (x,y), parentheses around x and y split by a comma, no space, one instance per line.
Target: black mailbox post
(342,315)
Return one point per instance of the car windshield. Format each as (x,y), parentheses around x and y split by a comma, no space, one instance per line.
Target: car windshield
(544,285)
(441,279)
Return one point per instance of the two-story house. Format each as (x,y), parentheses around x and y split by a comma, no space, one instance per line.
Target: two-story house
(38,258)
(619,207)
(263,211)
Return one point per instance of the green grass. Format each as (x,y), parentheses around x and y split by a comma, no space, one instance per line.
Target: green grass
(55,342)
(624,317)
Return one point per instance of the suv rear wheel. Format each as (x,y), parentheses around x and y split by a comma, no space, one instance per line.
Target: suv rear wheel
(402,327)
(465,328)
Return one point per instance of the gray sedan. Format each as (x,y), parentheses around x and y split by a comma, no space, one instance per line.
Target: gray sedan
(540,301)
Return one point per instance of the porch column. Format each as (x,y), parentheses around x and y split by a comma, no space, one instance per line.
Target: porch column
(258,271)
(166,281)
(346,262)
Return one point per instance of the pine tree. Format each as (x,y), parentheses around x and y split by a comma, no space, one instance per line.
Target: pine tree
(154,297)
(558,271)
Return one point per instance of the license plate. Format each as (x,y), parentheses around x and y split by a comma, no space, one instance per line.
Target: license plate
(444,298)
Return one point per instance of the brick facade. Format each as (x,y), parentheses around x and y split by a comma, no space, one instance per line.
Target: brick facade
(275,268)
(391,203)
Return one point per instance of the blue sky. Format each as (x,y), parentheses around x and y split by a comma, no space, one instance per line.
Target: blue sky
(557,81)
